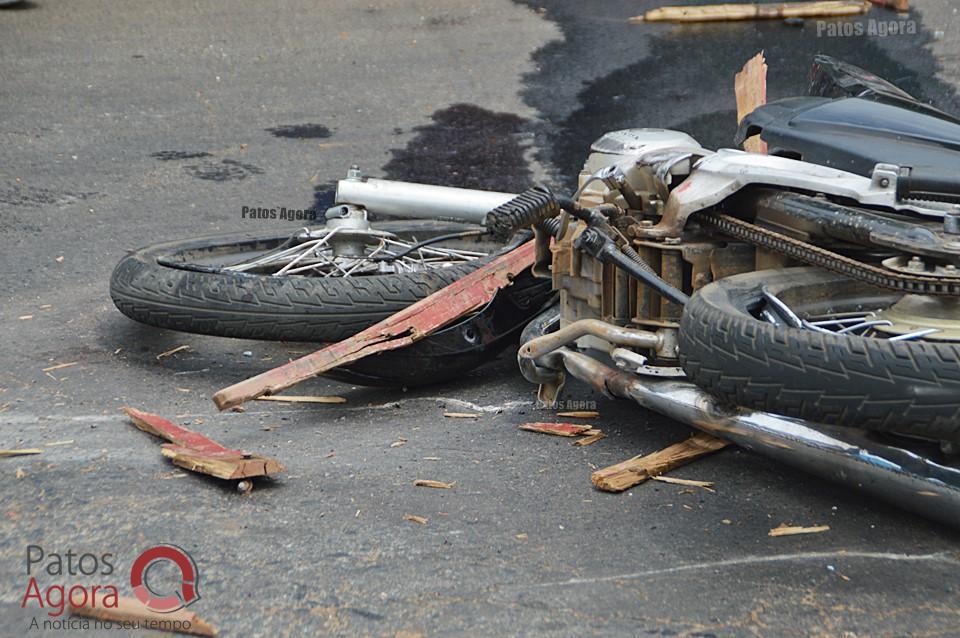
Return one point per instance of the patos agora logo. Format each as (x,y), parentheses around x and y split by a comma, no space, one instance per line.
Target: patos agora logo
(189,577)
(55,598)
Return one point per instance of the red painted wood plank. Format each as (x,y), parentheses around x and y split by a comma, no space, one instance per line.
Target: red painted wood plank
(401,329)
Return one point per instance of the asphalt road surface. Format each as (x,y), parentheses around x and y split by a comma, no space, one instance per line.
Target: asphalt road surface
(127,123)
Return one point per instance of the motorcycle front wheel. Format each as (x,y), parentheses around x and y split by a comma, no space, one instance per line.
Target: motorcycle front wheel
(288,285)
(807,343)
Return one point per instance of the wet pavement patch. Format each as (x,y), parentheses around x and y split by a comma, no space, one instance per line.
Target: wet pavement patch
(468,147)
(34,197)
(172,156)
(225,171)
(675,84)
(323,196)
(301,131)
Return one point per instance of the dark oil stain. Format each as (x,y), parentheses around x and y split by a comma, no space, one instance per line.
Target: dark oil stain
(323,196)
(33,197)
(227,170)
(682,77)
(468,147)
(169,156)
(301,131)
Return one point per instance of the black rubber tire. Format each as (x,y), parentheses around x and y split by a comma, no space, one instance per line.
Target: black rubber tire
(911,387)
(147,286)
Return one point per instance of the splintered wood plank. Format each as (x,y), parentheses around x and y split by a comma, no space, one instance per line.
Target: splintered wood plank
(557,429)
(230,466)
(195,452)
(132,610)
(750,86)
(401,329)
(772,11)
(625,475)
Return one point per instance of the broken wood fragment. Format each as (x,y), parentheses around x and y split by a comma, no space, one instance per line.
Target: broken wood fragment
(901,6)
(133,611)
(707,485)
(437,484)
(401,329)
(60,366)
(580,414)
(750,86)
(788,530)
(557,429)
(422,520)
(195,452)
(288,398)
(172,351)
(732,12)
(625,475)
(23,452)
(461,415)
(590,437)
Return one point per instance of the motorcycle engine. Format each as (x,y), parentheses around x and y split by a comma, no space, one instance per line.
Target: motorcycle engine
(624,172)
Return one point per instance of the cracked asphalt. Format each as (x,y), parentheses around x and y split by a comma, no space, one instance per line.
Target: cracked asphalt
(130,123)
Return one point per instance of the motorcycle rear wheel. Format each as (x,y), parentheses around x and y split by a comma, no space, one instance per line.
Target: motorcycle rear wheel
(875,383)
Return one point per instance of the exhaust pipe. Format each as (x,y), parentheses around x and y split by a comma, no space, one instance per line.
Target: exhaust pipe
(843,455)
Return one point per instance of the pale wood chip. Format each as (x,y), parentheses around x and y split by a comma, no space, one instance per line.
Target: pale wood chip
(556,429)
(461,415)
(437,484)
(22,452)
(60,366)
(580,414)
(707,485)
(172,351)
(592,437)
(289,398)
(788,530)
(422,520)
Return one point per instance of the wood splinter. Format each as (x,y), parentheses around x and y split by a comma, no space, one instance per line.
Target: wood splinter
(625,475)
(131,610)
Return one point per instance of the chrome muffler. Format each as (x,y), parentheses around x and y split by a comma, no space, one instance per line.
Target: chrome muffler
(845,455)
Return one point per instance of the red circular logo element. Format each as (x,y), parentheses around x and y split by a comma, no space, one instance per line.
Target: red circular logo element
(189,576)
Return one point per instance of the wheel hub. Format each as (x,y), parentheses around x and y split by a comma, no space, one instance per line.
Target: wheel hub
(919,312)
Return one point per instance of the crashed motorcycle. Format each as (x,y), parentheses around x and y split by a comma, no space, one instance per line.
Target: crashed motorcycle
(803,303)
